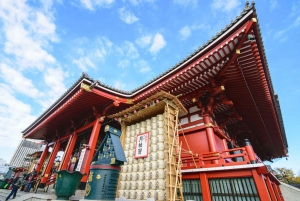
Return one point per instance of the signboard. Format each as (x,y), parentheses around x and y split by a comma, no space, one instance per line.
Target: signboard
(82,154)
(141,145)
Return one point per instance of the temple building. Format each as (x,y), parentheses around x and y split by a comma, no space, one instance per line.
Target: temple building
(223,109)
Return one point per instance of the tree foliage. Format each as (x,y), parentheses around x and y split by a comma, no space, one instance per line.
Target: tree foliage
(287,175)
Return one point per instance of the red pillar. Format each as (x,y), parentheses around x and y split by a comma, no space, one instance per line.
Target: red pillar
(50,162)
(42,159)
(91,150)
(210,136)
(224,141)
(68,152)
(205,187)
(260,186)
(250,151)
(270,188)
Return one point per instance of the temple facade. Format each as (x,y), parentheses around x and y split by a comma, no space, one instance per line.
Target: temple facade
(229,122)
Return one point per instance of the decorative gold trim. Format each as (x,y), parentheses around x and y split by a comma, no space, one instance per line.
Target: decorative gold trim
(209,125)
(238,51)
(254,19)
(98,177)
(223,88)
(113,161)
(129,101)
(85,87)
(91,177)
(87,189)
(106,128)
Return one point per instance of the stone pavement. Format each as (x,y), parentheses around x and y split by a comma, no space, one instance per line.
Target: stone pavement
(4,193)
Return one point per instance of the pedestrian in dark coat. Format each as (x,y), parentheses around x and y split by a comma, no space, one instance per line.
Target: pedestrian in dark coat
(20,182)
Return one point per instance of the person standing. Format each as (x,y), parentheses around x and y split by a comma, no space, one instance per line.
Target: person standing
(16,186)
(31,180)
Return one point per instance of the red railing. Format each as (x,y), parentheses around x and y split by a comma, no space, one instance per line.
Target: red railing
(230,157)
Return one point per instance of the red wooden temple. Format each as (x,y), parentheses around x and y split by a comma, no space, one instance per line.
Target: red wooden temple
(233,122)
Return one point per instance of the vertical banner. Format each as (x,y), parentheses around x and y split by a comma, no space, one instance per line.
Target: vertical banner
(82,154)
(141,145)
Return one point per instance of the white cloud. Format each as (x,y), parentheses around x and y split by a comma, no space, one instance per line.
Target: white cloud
(144,41)
(186,3)
(273,4)
(124,63)
(119,85)
(129,50)
(158,43)
(83,63)
(18,82)
(27,32)
(142,66)
(14,117)
(91,4)
(87,4)
(225,5)
(185,32)
(127,16)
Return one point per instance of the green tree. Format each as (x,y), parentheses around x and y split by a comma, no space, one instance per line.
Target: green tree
(286,175)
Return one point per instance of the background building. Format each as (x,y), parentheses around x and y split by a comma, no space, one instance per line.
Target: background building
(25,148)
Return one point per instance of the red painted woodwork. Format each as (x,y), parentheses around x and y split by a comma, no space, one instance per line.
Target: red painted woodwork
(90,152)
(42,158)
(270,188)
(261,187)
(50,162)
(197,142)
(205,187)
(68,151)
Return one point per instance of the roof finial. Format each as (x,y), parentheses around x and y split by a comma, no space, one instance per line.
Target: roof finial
(253,3)
(247,4)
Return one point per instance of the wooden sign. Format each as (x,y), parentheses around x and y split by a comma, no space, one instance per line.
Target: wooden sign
(141,145)
(82,154)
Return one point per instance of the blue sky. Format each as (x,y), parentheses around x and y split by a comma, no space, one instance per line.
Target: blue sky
(46,45)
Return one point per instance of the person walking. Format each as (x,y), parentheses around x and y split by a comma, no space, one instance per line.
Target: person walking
(16,186)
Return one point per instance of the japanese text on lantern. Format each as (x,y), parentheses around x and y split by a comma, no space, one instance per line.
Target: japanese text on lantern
(141,145)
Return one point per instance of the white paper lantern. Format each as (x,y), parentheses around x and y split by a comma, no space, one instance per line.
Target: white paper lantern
(138,194)
(152,184)
(129,160)
(147,166)
(131,146)
(134,167)
(143,123)
(153,119)
(147,175)
(148,121)
(160,173)
(161,146)
(149,127)
(160,184)
(127,140)
(146,184)
(154,165)
(153,156)
(140,167)
(160,138)
(160,131)
(151,194)
(160,117)
(143,129)
(153,140)
(160,124)
(161,155)
(161,164)
(139,185)
(154,125)
(160,195)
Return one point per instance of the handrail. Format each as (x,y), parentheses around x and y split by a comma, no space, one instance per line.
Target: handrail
(236,156)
